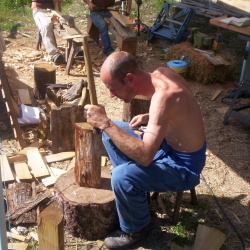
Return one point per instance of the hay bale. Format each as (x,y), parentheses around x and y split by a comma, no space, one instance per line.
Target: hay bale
(199,68)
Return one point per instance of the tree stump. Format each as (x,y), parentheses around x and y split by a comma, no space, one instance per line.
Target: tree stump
(44,73)
(88,156)
(89,213)
(139,105)
(62,126)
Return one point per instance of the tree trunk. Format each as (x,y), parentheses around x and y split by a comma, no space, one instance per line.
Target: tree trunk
(89,213)
(62,126)
(139,105)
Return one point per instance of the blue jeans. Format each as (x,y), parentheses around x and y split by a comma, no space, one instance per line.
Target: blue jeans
(169,170)
(97,18)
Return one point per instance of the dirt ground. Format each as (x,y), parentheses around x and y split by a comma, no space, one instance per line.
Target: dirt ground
(226,175)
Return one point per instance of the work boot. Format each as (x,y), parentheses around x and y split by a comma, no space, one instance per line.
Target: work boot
(122,240)
(58,59)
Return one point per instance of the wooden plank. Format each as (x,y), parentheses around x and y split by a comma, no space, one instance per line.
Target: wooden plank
(24,96)
(216,60)
(57,171)
(16,236)
(216,94)
(242,30)
(18,246)
(59,157)
(16,158)
(72,36)
(6,172)
(124,20)
(208,238)
(50,228)
(122,31)
(50,180)
(37,144)
(36,163)
(9,102)
(22,171)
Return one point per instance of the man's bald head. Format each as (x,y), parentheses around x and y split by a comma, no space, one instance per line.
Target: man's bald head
(118,64)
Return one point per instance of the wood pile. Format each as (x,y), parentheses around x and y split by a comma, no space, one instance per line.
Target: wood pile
(200,68)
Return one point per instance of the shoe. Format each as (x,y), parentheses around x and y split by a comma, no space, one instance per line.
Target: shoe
(58,59)
(122,240)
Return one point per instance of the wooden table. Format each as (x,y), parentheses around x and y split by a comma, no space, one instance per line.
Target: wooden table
(242,30)
(243,83)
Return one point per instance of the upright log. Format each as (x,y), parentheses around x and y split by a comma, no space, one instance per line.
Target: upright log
(62,126)
(44,73)
(139,105)
(88,147)
(50,228)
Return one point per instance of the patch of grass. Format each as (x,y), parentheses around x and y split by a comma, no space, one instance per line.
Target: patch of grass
(10,18)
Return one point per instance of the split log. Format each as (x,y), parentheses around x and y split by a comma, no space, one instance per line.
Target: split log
(44,73)
(50,228)
(89,213)
(139,105)
(88,156)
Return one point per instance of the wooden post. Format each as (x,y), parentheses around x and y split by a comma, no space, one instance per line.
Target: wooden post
(139,105)
(50,228)
(44,73)
(88,156)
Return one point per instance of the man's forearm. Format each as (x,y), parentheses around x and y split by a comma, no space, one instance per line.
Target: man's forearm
(131,146)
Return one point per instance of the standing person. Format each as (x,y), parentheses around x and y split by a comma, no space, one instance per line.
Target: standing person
(43,21)
(170,154)
(98,14)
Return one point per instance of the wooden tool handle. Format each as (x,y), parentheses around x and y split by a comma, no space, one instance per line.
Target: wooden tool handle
(83,97)
(90,75)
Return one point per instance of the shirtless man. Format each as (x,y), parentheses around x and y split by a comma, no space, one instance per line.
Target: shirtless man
(170,154)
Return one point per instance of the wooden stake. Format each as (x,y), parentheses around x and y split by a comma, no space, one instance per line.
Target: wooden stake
(50,228)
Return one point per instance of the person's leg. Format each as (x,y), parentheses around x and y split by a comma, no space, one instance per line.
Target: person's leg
(43,22)
(115,155)
(97,18)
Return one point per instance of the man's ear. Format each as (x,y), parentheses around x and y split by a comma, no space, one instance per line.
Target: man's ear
(129,78)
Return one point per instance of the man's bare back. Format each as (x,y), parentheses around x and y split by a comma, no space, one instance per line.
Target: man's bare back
(185,130)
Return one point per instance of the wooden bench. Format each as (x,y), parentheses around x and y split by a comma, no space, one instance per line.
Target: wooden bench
(125,37)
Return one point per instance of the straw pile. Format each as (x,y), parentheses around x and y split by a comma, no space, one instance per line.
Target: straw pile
(199,68)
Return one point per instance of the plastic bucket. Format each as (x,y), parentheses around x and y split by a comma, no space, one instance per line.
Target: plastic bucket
(179,66)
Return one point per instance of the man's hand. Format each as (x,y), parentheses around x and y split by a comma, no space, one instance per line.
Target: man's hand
(139,120)
(96,115)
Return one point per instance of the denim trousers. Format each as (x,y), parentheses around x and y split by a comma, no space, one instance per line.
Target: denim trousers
(98,18)
(42,20)
(131,181)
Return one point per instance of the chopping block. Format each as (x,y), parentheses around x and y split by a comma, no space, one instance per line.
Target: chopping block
(85,192)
